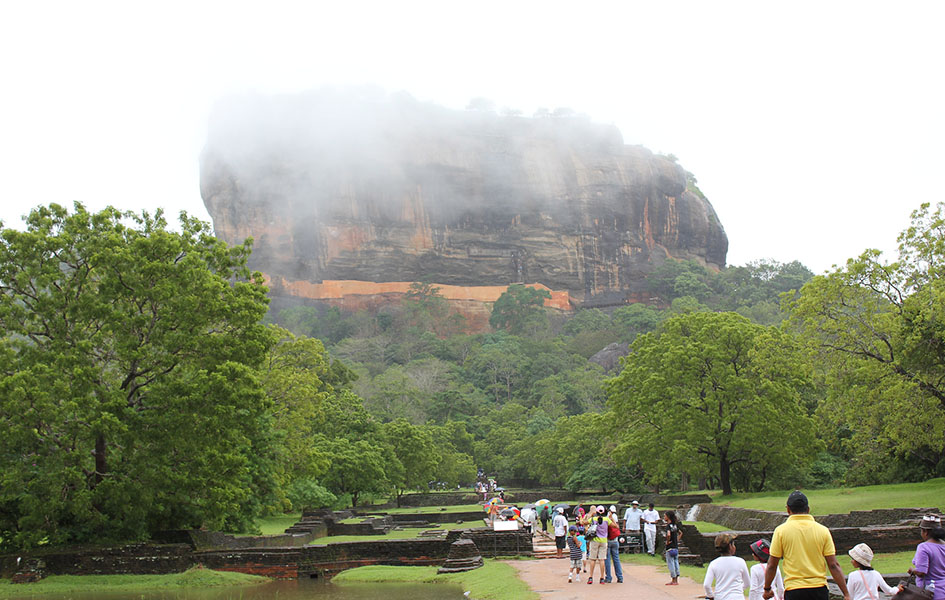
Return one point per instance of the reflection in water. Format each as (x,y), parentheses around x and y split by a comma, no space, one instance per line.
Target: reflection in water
(284,590)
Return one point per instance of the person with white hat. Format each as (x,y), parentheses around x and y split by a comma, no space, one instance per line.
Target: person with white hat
(631,522)
(863,580)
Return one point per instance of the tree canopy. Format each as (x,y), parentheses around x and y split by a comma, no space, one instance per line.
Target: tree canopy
(709,392)
(128,391)
(878,330)
(520,308)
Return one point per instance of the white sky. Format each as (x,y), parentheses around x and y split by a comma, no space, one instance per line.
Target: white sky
(814,128)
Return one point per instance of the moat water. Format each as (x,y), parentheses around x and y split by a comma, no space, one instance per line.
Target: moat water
(309,589)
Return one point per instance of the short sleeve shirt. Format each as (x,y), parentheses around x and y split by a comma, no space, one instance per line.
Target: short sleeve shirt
(802,544)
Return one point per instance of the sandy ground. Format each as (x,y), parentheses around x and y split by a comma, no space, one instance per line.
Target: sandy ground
(549,578)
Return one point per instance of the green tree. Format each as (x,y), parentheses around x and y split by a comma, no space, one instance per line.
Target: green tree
(427,310)
(356,467)
(520,309)
(329,324)
(586,319)
(499,367)
(704,392)
(415,452)
(293,377)
(635,319)
(128,392)
(879,332)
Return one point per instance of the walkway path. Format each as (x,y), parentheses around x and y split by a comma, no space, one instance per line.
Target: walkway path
(549,578)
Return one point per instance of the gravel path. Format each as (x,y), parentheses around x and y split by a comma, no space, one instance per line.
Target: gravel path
(549,578)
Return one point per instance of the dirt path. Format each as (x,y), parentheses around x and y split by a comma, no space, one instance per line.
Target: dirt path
(549,578)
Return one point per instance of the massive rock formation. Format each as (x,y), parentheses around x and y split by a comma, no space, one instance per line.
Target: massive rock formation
(365,187)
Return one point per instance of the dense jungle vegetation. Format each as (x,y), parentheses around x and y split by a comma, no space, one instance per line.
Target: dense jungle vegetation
(144,386)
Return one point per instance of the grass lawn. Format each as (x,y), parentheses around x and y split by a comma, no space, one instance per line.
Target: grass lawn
(128,584)
(843,500)
(405,534)
(706,527)
(274,525)
(494,581)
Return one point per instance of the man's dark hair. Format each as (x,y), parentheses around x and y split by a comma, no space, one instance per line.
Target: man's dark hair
(797,502)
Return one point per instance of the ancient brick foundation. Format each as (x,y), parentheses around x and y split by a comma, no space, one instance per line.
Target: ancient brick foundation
(746,519)
(895,538)
(320,560)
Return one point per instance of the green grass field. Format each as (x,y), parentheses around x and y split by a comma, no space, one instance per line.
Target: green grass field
(128,584)
(928,494)
(494,581)
(706,527)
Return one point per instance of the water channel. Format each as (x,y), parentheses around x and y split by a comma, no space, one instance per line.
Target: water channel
(308,589)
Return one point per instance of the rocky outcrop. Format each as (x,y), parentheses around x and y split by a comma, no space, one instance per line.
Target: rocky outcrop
(341,186)
(609,357)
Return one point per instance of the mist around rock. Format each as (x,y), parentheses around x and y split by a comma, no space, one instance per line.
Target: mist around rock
(355,184)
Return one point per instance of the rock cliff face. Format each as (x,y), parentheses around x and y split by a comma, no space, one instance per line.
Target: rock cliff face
(365,187)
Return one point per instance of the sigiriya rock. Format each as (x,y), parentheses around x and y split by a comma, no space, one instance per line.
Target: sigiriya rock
(352,194)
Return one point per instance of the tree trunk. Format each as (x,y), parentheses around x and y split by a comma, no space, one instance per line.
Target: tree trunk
(725,476)
(101,465)
(683,481)
(702,483)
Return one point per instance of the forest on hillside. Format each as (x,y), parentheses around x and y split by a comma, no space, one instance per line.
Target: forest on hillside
(144,385)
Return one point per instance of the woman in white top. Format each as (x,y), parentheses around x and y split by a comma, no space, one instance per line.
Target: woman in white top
(728,572)
(864,580)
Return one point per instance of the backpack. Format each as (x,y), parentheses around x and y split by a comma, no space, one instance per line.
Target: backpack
(613,532)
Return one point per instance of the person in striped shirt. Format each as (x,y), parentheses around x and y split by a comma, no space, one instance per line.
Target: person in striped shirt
(575,553)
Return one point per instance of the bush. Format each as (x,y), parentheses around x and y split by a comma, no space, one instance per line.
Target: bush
(306,493)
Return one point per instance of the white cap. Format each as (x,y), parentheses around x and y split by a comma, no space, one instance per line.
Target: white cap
(560,511)
(613,508)
(862,554)
(634,502)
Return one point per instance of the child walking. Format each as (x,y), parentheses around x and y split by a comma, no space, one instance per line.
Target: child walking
(574,552)
(583,539)
(761,550)
(864,580)
(728,573)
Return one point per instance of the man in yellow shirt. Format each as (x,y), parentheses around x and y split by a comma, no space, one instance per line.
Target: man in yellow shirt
(804,545)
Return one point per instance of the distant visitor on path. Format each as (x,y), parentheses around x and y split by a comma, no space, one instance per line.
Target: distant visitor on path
(928,565)
(529,518)
(673,537)
(560,524)
(596,532)
(544,514)
(727,577)
(650,518)
(632,517)
(804,545)
(613,547)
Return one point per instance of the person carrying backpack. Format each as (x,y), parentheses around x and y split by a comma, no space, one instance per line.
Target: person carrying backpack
(613,547)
